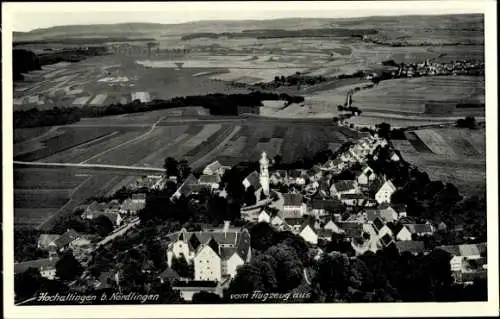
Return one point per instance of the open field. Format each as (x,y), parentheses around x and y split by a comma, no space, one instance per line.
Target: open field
(41,194)
(449,154)
(410,95)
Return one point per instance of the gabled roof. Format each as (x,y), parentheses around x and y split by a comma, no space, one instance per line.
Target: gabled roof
(467,250)
(254,179)
(324,233)
(227,252)
(45,240)
(66,238)
(292,199)
(41,264)
(351,229)
(386,240)
(209,179)
(344,185)
(325,204)
(294,221)
(185,188)
(352,196)
(419,228)
(387,213)
(197,188)
(214,166)
(169,273)
(378,223)
(139,196)
(389,185)
(411,246)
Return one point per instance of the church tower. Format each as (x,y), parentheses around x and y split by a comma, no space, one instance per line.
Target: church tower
(264,173)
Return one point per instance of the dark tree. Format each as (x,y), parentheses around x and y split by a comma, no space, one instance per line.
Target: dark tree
(171,166)
(68,268)
(102,225)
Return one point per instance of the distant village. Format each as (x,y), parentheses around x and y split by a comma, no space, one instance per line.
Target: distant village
(313,204)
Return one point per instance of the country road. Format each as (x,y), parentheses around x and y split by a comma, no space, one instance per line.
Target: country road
(138,138)
(93,166)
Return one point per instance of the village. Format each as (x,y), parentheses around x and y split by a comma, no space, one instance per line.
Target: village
(320,205)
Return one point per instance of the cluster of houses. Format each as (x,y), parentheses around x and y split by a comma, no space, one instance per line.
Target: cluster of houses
(82,245)
(463,67)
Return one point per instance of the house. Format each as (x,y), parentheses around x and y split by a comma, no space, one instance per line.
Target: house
(215,168)
(400,209)
(343,187)
(132,205)
(277,221)
(324,234)
(420,229)
(330,225)
(293,205)
(309,234)
(113,215)
(253,179)
(411,246)
(64,241)
(387,212)
(378,223)
(385,230)
(47,242)
(185,188)
(264,217)
(168,275)
(366,176)
(393,156)
(404,234)
(385,192)
(295,223)
(386,240)
(461,257)
(46,267)
(210,180)
(354,199)
(278,177)
(351,230)
(216,254)
(323,207)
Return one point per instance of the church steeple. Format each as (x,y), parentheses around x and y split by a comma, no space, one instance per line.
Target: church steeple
(264,173)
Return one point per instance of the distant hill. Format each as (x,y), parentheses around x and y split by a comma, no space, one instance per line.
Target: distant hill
(156,30)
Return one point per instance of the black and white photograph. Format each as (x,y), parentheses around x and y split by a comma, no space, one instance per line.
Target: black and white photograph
(250,153)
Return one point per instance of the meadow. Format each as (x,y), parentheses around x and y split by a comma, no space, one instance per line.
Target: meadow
(450,154)
(409,95)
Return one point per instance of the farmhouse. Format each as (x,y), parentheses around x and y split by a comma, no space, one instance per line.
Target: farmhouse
(385,192)
(210,180)
(64,241)
(343,187)
(46,267)
(215,168)
(293,205)
(185,188)
(47,242)
(323,207)
(134,204)
(464,255)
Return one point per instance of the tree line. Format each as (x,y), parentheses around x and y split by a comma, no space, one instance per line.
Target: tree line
(217,104)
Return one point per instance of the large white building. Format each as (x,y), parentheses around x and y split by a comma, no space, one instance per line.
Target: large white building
(216,255)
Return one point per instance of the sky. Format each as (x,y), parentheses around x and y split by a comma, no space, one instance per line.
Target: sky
(29,16)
